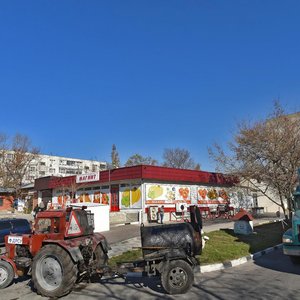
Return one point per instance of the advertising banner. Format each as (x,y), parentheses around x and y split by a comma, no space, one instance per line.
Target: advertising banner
(131,196)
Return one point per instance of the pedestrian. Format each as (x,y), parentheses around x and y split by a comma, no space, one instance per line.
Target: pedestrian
(161,214)
(35,210)
(42,206)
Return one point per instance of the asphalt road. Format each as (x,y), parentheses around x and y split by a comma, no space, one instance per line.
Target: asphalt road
(271,276)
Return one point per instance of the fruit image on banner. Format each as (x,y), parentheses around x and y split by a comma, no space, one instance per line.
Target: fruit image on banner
(135,195)
(125,201)
(131,197)
(223,194)
(170,194)
(84,198)
(87,197)
(202,193)
(212,194)
(155,191)
(97,197)
(104,198)
(62,200)
(184,193)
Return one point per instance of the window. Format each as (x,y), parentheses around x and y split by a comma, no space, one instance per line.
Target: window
(62,170)
(42,163)
(71,171)
(255,202)
(70,162)
(5,225)
(42,173)
(32,169)
(20,223)
(1,202)
(43,225)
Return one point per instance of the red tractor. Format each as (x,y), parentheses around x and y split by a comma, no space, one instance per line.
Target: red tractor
(61,250)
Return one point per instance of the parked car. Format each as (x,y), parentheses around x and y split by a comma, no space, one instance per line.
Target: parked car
(13,225)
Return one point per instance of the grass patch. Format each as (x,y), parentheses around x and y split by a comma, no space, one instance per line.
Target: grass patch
(127,256)
(225,245)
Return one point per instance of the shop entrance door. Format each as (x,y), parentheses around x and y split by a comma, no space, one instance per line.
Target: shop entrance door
(114,198)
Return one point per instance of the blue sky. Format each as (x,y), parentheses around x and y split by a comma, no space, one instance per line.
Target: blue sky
(79,76)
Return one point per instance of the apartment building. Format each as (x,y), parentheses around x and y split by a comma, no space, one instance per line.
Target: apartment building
(49,165)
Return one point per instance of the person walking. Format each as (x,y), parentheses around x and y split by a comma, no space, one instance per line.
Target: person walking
(161,214)
(35,211)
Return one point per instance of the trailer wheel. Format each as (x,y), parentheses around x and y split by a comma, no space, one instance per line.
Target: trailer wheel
(6,274)
(53,272)
(177,277)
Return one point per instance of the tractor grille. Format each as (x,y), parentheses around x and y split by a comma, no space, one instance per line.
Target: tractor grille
(90,218)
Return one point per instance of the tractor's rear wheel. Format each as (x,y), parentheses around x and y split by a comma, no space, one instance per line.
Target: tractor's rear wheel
(53,272)
(6,274)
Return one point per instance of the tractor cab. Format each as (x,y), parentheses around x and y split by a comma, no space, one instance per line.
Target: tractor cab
(70,222)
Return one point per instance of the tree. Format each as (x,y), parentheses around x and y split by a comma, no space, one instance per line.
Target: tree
(178,158)
(266,154)
(15,159)
(138,159)
(115,160)
(3,147)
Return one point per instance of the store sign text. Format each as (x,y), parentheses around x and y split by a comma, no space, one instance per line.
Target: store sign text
(87,177)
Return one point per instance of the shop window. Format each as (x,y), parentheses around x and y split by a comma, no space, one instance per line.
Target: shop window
(1,202)
(124,185)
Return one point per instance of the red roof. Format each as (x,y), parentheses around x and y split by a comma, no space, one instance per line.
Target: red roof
(242,215)
(151,173)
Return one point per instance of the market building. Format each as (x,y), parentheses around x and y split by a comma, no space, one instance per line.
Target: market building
(134,193)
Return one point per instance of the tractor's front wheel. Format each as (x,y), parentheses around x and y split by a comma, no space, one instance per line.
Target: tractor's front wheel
(53,272)
(6,274)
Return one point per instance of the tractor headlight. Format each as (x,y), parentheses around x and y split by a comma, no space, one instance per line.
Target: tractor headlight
(287,240)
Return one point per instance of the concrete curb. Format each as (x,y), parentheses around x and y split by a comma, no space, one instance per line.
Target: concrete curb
(237,262)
